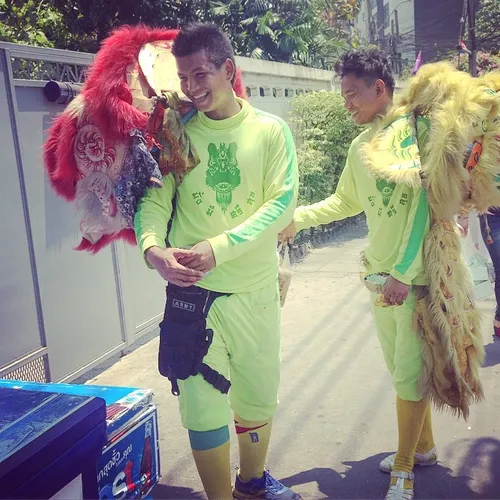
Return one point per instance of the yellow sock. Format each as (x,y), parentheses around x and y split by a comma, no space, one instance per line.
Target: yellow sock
(411,415)
(426,441)
(253,440)
(214,469)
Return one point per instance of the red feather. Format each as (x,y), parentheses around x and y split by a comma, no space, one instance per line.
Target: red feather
(238,85)
(59,156)
(107,97)
(128,235)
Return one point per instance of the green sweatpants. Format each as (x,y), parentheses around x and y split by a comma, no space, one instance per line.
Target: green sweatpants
(401,346)
(246,348)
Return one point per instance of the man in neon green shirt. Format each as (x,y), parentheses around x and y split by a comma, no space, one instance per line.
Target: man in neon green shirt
(398,221)
(228,212)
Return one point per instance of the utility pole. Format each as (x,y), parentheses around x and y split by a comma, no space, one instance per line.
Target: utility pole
(397,39)
(471,13)
(396,17)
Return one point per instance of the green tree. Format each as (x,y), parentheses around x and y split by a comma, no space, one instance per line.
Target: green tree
(291,31)
(306,32)
(91,21)
(31,22)
(488,26)
(486,62)
(83,24)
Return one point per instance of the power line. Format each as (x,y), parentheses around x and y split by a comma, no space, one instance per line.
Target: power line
(428,39)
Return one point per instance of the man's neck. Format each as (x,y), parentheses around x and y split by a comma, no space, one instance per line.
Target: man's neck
(382,112)
(230,109)
(386,107)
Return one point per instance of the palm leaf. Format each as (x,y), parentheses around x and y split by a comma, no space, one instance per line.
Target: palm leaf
(220,8)
(257,53)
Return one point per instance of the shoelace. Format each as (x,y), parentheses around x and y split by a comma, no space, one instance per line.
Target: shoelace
(273,485)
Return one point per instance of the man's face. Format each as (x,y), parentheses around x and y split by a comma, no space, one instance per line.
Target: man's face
(207,86)
(363,100)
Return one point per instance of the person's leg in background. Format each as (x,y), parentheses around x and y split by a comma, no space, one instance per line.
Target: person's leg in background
(412,409)
(402,352)
(425,453)
(490,231)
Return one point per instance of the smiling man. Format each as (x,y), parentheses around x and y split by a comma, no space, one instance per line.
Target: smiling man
(222,268)
(398,221)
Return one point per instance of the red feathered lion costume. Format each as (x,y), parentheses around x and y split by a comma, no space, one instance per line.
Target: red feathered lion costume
(88,143)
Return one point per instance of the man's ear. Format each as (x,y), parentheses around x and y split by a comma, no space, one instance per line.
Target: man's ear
(380,88)
(230,70)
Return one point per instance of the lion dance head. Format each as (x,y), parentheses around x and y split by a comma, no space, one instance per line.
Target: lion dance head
(88,147)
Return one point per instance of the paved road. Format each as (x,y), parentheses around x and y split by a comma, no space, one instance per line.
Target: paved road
(337,414)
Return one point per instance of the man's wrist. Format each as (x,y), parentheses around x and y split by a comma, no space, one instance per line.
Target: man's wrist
(397,276)
(151,251)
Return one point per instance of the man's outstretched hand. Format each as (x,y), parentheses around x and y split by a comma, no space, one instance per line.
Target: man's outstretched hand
(167,261)
(288,234)
(395,292)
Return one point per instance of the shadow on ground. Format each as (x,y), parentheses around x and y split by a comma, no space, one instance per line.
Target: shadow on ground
(492,353)
(362,480)
(163,491)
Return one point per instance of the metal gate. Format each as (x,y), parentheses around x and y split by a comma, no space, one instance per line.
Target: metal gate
(61,311)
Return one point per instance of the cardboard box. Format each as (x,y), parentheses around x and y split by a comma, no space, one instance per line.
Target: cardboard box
(130,464)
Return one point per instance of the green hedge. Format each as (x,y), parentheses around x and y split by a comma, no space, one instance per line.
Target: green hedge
(323,132)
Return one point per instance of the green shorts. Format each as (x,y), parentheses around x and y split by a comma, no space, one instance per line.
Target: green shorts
(401,346)
(246,348)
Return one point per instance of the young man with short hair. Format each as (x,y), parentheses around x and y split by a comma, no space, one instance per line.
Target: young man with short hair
(398,221)
(223,238)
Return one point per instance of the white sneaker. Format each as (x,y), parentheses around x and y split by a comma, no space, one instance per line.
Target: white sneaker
(425,460)
(398,491)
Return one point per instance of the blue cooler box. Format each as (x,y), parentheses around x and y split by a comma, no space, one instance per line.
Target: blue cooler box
(129,466)
(49,444)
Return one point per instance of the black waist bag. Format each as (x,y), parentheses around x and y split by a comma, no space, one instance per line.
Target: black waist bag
(185,339)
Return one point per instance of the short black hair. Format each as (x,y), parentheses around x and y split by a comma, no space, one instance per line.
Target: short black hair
(208,37)
(369,65)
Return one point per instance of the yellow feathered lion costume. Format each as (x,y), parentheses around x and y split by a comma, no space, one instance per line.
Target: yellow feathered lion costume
(426,139)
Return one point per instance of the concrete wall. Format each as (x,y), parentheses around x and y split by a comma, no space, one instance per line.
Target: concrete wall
(272,86)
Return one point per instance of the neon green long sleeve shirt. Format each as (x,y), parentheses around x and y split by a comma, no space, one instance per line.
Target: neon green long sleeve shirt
(238,198)
(397,217)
